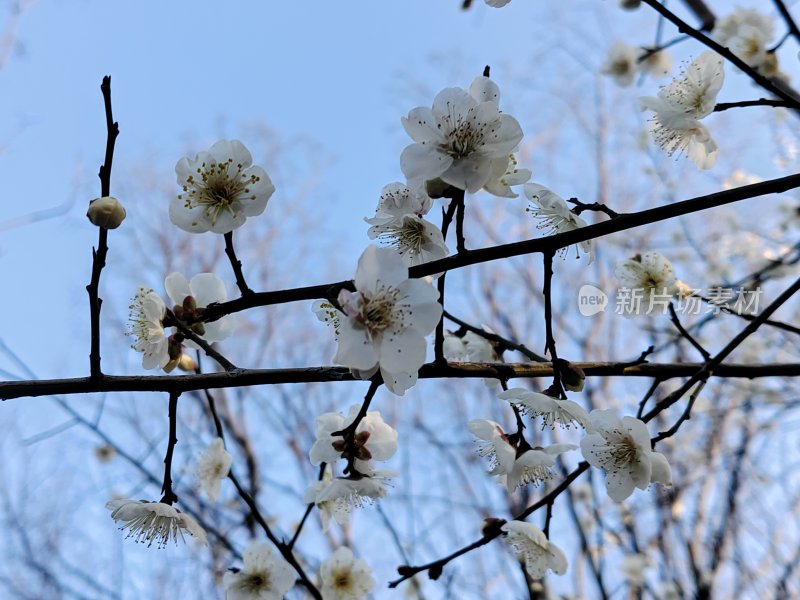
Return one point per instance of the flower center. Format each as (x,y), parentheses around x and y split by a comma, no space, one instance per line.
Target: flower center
(465,134)
(378,313)
(256,582)
(342,580)
(624,451)
(217,191)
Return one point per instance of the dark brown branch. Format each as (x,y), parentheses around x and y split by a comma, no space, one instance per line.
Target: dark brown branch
(503,344)
(550,243)
(169,496)
(99,254)
(714,363)
(787,17)
(685,334)
(250,377)
(490,533)
(236,264)
(760,102)
(789,96)
(550,340)
(438,341)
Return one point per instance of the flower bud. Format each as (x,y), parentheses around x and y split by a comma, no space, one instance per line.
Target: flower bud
(186,363)
(106,212)
(572,376)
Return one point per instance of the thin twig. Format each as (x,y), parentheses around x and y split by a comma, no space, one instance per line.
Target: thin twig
(685,334)
(169,496)
(99,254)
(236,264)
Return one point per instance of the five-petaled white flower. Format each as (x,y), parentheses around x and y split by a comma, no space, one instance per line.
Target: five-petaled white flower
(554,215)
(212,467)
(537,552)
(398,221)
(564,413)
(385,320)
(461,138)
(748,33)
(154,522)
(264,576)
(221,189)
(147,312)
(650,280)
(374,439)
(345,577)
(621,447)
(679,107)
(204,289)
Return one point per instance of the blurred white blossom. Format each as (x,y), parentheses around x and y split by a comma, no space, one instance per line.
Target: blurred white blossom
(212,467)
(345,577)
(264,576)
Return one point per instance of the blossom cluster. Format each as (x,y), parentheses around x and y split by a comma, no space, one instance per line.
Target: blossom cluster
(462,144)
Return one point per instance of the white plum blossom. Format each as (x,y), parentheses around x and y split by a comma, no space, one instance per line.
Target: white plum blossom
(221,188)
(263,576)
(564,413)
(345,577)
(494,444)
(533,466)
(205,289)
(385,320)
(534,549)
(504,175)
(621,447)
(681,104)
(620,63)
(154,522)
(649,278)
(336,497)
(623,62)
(212,467)
(747,33)
(147,312)
(554,214)
(375,440)
(398,221)
(461,138)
